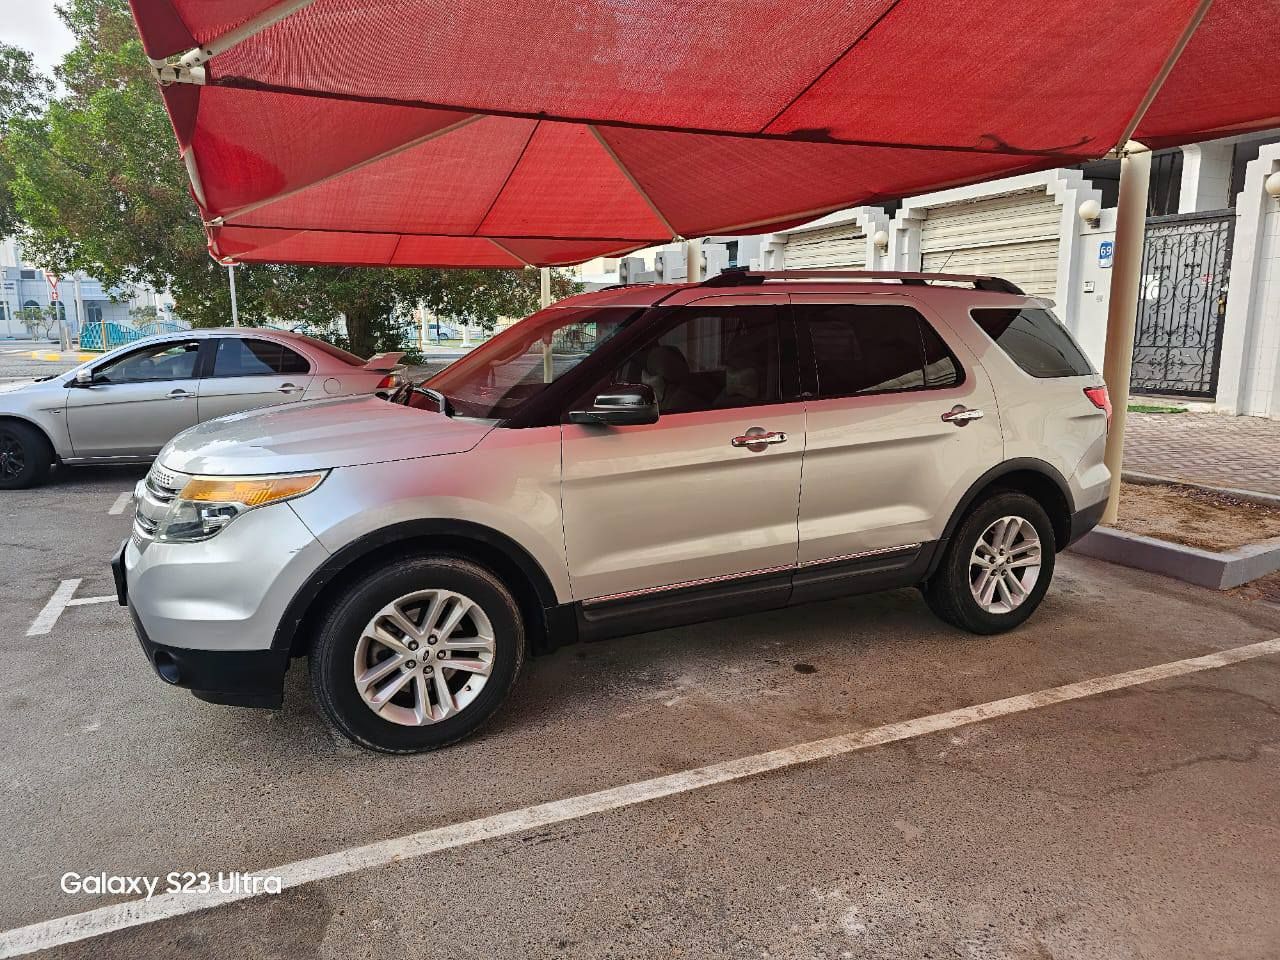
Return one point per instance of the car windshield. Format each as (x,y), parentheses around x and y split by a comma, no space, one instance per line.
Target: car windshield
(498,377)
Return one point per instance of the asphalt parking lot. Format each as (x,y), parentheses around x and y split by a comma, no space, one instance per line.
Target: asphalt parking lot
(1143,821)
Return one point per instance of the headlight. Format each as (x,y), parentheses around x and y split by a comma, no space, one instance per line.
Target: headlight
(207,504)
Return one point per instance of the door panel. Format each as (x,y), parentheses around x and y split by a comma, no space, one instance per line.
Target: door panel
(137,403)
(673,501)
(247,373)
(884,470)
(676,501)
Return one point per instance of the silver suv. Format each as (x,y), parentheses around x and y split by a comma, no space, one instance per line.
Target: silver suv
(628,459)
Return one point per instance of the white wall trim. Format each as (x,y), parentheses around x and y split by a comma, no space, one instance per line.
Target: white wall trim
(868,220)
(1242,382)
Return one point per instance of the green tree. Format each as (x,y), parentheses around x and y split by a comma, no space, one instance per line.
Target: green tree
(100,187)
(23,92)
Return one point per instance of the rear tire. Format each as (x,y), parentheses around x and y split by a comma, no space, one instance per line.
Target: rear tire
(988,580)
(26,459)
(382,665)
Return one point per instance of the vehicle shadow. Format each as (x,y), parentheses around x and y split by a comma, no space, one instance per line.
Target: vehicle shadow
(71,477)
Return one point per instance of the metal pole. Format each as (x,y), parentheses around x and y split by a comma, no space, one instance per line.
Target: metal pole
(1122,309)
(548,364)
(235,310)
(693,261)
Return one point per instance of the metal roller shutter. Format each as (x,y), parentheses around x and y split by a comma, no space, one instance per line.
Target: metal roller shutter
(843,246)
(1014,236)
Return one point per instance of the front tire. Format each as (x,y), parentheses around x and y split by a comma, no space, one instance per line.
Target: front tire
(26,459)
(997,566)
(418,654)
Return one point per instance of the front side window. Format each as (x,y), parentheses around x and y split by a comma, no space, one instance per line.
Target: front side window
(500,376)
(160,361)
(713,358)
(875,348)
(238,357)
(1035,340)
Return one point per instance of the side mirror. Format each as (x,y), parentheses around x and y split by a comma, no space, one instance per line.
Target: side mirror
(84,378)
(623,405)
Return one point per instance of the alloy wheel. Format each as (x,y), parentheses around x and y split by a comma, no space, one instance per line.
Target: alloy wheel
(13,459)
(424,657)
(1005,564)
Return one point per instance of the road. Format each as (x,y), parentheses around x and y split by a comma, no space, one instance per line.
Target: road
(16,361)
(1140,822)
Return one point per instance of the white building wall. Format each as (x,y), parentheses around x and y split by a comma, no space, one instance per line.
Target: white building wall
(1249,375)
(1068,189)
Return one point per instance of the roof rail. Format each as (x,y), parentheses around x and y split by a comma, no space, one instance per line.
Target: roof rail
(741,276)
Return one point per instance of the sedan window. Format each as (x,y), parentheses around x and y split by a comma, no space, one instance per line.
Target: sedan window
(159,361)
(238,357)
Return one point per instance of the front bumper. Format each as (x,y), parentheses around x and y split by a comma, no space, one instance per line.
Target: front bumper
(207,613)
(241,678)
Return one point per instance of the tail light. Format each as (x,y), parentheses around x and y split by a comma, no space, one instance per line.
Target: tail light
(1099,397)
(390,380)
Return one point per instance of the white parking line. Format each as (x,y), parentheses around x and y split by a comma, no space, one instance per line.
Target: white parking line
(61,599)
(122,501)
(94,923)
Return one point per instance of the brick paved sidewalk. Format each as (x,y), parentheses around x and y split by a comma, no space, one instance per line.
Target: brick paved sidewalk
(1240,452)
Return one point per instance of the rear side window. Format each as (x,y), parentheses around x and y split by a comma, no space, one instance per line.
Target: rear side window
(255,358)
(1035,340)
(875,348)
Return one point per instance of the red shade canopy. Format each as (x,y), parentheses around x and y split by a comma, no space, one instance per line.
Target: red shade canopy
(547,132)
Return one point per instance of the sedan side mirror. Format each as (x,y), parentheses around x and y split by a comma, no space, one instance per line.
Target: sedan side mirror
(84,378)
(623,405)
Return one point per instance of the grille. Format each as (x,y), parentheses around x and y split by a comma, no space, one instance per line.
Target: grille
(159,489)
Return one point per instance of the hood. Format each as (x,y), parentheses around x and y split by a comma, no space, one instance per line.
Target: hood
(20,385)
(317,436)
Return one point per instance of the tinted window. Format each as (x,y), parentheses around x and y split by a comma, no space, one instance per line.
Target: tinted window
(160,361)
(501,375)
(875,348)
(712,359)
(1035,340)
(255,358)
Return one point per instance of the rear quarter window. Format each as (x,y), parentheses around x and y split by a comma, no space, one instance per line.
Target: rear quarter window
(1034,340)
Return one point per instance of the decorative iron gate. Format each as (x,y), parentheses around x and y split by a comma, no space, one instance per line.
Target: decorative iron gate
(1182,302)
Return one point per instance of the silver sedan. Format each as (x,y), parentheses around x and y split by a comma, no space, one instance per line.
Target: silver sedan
(124,406)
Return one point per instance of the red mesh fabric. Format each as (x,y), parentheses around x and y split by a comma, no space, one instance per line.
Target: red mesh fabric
(360,249)
(417,129)
(559,253)
(715,184)
(1225,82)
(566,179)
(250,147)
(446,183)
(995,74)
(728,67)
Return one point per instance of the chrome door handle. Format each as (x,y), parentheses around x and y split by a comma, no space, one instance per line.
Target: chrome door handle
(288,388)
(751,440)
(960,415)
(179,394)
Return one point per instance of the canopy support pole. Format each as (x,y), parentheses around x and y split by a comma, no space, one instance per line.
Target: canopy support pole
(548,363)
(693,261)
(235,309)
(1196,18)
(1122,310)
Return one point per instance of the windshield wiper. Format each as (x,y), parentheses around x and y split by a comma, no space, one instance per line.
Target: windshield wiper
(441,400)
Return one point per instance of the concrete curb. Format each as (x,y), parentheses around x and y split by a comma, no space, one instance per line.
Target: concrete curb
(1217,571)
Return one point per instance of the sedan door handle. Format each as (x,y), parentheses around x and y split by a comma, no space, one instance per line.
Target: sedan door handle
(960,415)
(753,441)
(179,394)
(288,388)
